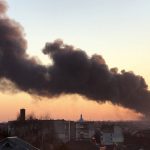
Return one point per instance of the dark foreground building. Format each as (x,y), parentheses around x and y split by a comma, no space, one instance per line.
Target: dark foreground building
(81,145)
(15,143)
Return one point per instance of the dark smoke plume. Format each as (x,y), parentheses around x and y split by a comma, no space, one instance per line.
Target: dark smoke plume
(72,71)
(3,6)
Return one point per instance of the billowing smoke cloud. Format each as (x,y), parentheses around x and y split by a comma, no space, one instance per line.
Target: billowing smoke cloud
(3,6)
(72,71)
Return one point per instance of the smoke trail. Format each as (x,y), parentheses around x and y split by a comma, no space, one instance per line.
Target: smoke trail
(3,6)
(15,64)
(72,71)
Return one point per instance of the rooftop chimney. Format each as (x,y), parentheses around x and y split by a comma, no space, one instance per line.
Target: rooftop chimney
(22,114)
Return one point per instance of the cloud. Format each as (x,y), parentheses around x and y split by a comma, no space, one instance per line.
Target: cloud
(72,71)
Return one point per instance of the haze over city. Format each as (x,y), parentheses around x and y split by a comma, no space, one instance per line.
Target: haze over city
(117,31)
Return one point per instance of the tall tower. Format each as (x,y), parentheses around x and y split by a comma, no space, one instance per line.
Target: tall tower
(81,119)
(22,114)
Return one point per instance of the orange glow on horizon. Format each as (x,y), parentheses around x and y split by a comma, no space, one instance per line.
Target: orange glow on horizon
(68,107)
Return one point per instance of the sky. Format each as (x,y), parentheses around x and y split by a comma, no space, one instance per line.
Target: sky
(116,29)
